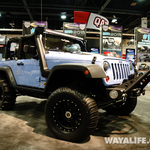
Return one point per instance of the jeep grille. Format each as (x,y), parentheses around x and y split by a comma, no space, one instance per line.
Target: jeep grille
(120,71)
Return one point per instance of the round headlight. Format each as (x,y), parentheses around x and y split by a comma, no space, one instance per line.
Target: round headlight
(105,65)
(113,94)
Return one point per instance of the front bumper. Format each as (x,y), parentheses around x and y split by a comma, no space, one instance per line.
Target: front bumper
(129,89)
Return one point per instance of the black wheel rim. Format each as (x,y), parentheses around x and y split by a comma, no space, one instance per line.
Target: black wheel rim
(67,115)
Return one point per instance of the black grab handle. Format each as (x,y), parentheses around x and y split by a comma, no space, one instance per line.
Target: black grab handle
(20,64)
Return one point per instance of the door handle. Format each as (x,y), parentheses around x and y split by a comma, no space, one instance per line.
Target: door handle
(20,64)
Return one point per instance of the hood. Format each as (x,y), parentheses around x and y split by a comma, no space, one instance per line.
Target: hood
(78,56)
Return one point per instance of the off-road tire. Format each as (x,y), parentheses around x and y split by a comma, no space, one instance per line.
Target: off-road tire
(70,115)
(122,109)
(8,94)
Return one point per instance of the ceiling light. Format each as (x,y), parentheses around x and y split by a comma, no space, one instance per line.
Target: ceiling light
(133,4)
(63,15)
(114,20)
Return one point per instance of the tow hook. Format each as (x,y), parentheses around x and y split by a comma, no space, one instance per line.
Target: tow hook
(143,92)
(139,92)
(124,96)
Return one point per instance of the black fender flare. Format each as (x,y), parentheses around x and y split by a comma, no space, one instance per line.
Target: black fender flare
(9,75)
(94,71)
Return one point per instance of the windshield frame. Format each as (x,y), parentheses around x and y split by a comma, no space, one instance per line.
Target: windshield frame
(71,38)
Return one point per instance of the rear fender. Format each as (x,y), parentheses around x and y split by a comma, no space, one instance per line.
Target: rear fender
(7,72)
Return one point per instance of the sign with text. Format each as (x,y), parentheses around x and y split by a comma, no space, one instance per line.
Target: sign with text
(143,47)
(93,21)
(77,29)
(130,54)
(112,39)
(29,26)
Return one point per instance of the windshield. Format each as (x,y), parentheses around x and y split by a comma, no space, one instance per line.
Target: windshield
(61,43)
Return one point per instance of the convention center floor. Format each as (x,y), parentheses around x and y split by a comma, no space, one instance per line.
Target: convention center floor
(24,128)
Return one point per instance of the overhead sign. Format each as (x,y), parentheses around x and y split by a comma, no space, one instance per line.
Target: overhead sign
(77,29)
(93,21)
(143,39)
(29,26)
(112,30)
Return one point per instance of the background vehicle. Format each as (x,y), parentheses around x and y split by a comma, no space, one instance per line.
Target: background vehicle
(144,57)
(143,67)
(144,49)
(56,66)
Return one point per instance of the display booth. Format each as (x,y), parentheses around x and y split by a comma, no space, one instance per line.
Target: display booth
(93,22)
(77,29)
(128,47)
(112,39)
(109,40)
(29,26)
(143,48)
(3,42)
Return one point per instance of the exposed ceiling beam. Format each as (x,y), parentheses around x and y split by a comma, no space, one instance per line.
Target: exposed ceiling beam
(25,13)
(84,2)
(123,11)
(103,7)
(126,20)
(28,10)
(72,7)
(136,23)
(80,2)
(45,14)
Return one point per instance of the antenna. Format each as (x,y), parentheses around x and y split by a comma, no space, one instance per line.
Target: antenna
(41,11)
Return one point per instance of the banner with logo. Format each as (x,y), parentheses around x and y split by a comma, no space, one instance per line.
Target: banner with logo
(112,39)
(93,21)
(29,26)
(130,54)
(77,29)
(143,48)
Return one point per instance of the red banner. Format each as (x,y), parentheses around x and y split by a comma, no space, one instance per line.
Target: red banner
(93,21)
(81,16)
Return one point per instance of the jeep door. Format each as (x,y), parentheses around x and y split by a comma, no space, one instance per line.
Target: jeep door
(28,72)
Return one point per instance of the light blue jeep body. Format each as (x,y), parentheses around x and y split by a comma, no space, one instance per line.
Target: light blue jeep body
(57,67)
(27,71)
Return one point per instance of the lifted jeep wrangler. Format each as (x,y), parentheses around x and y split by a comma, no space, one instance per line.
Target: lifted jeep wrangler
(56,66)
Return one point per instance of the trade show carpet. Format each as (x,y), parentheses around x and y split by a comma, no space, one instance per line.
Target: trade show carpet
(24,128)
